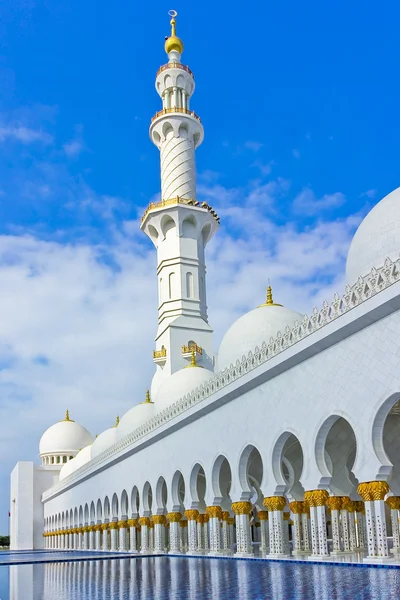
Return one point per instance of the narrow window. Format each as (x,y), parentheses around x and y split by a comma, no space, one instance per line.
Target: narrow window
(189,285)
(171,284)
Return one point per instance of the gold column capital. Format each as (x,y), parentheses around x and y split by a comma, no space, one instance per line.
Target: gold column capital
(263,515)
(225,516)
(214,512)
(133,523)
(316,497)
(159,519)
(144,521)
(191,514)
(373,490)
(393,502)
(242,508)
(273,503)
(297,507)
(200,519)
(174,517)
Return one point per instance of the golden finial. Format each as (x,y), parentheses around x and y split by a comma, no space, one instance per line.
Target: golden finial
(116,421)
(148,399)
(173,42)
(269,300)
(193,362)
(67,418)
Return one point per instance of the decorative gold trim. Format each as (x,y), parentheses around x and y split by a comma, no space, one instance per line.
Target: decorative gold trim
(174,517)
(214,512)
(263,515)
(274,503)
(159,519)
(296,507)
(67,419)
(173,42)
(133,522)
(178,200)
(160,353)
(192,348)
(175,65)
(269,300)
(175,110)
(393,502)
(241,508)
(316,497)
(144,521)
(373,490)
(191,515)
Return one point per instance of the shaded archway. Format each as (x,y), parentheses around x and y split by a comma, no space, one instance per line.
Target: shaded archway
(92,512)
(114,506)
(335,454)
(287,465)
(135,502)
(386,441)
(124,504)
(198,488)
(161,496)
(178,492)
(251,472)
(99,510)
(147,499)
(221,478)
(86,515)
(106,511)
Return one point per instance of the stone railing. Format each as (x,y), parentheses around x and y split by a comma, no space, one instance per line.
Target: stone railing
(175,65)
(362,290)
(176,109)
(179,200)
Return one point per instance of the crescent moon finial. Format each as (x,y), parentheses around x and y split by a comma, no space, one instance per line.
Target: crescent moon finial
(172,13)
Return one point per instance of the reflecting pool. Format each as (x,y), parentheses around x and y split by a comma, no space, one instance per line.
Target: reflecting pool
(163,578)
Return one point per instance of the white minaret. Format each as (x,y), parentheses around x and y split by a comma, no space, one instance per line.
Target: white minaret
(179,226)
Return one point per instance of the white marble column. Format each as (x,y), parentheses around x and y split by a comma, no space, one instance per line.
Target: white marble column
(133,524)
(277,538)
(242,512)
(214,514)
(174,532)
(305,527)
(200,534)
(373,494)
(264,531)
(122,541)
(85,537)
(296,509)
(97,535)
(394,504)
(144,523)
(335,505)
(159,534)
(191,516)
(92,534)
(105,528)
(352,526)
(316,500)
(360,524)
(226,533)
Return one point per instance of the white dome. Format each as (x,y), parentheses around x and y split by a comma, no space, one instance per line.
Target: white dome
(104,441)
(64,437)
(179,384)
(67,469)
(157,380)
(377,237)
(252,329)
(135,417)
(82,457)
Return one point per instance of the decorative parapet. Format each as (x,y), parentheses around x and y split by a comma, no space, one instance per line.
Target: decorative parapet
(192,348)
(175,65)
(365,287)
(160,353)
(175,109)
(179,200)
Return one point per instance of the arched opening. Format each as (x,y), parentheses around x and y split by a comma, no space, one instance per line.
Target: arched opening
(106,509)
(171,285)
(287,466)
(92,512)
(124,504)
(147,499)
(86,515)
(189,285)
(198,488)
(99,511)
(222,482)
(336,449)
(251,472)
(161,496)
(135,503)
(386,441)
(178,492)
(167,224)
(114,506)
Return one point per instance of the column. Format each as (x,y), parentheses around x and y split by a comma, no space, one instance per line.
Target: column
(316,500)
(104,529)
(92,536)
(394,504)
(285,526)
(174,532)
(159,533)
(360,524)
(305,528)
(242,512)
(122,541)
(226,532)
(352,525)
(183,532)
(373,494)
(200,534)
(144,523)
(113,536)
(97,535)
(132,524)
(264,546)
(334,503)
(275,506)
(344,522)
(191,516)
(206,534)
(232,533)
(297,508)
(85,537)
(214,514)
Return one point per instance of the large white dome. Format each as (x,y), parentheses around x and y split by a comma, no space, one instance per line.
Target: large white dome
(80,459)
(377,237)
(103,441)
(252,329)
(179,384)
(65,437)
(135,417)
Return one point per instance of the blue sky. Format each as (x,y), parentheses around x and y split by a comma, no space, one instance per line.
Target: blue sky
(299,103)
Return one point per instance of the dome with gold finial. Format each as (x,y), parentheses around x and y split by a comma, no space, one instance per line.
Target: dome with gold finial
(136,416)
(62,441)
(106,439)
(254,328)
(173,43)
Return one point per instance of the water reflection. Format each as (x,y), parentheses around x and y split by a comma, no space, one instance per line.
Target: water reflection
(197,579)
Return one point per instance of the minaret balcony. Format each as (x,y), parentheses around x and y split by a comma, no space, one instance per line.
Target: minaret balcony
(175,109)
(160,356)
(190,350)
(178,200)
(174,65)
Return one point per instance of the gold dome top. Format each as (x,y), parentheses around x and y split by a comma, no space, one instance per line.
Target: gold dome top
(269,300)
(173,42)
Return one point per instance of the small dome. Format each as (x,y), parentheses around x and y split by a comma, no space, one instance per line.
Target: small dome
(254,328)
(65,437)
(83,457)
(377,237)
(179,384)
(135,417)
(157,380)
(103,441)
(67,469)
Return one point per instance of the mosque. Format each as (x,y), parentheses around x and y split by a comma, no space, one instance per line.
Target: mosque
(285,442)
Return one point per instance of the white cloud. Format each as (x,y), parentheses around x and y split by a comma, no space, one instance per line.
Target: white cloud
(253,146)
(73,148)
(307,202)
(23,134)
(296,153)
(369,194)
